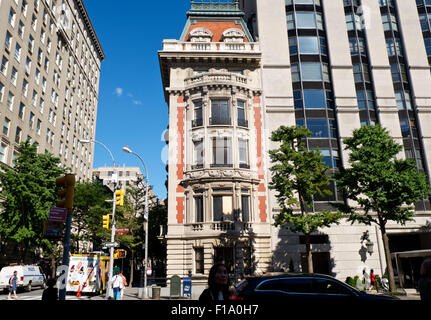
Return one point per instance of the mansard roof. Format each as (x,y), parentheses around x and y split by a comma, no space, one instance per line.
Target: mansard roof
(216,17)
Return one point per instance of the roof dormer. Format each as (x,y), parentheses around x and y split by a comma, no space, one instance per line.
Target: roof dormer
(200,35)
(233,35)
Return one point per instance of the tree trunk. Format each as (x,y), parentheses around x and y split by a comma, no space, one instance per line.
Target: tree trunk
(308,253)
(53,265)
(131,268)
(388,258)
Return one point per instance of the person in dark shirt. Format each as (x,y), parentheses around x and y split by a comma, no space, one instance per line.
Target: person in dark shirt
(218,285)
(50,293)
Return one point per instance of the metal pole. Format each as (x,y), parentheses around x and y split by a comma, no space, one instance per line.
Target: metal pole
(146,215)
(111,249)
(146,239)
(65,262)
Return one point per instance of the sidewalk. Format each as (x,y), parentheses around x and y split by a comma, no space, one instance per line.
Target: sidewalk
(133,294)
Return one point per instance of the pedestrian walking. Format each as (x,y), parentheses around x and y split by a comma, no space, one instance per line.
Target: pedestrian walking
(218,285)
(373,280)
(50,293)
(12,285)
(366,279)
(425,280)
(123,286)
(116,283)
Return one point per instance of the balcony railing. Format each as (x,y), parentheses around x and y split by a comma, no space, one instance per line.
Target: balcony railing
(221,165)
(197,123)
(216,77)
(243,123)
(220,121)
(221,226)
(246,47)
(244,166)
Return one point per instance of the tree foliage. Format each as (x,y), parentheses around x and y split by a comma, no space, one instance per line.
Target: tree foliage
(384,187)
(378,181)
(28,191)
(89,207)
(298,175)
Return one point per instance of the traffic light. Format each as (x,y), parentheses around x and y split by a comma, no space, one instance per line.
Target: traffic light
(67,183)
(119,254)
(106,219)
(119,197)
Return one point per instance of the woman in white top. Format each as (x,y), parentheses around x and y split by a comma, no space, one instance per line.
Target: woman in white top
(116,283)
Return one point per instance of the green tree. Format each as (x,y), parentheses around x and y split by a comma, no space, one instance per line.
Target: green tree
(384,187)
(88,209)
(158,216)
(131,216)
(299,174)
(28,191)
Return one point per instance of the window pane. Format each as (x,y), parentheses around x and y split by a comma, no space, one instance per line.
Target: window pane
(311,71)
(243,152)
(305,20)
(220,109)
(245,206)
(199,151)
(308,45)
(199,216)
(314,99)
(318,127)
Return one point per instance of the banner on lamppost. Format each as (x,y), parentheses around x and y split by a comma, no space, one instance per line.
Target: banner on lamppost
(57,214)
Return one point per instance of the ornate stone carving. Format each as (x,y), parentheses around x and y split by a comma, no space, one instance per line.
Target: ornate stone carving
(233,35)
(198,135)
(200,35)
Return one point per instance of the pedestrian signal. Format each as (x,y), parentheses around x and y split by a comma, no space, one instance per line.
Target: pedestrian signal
(119,254)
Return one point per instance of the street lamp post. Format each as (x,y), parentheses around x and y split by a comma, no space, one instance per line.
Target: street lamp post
(126,149)
(111,249)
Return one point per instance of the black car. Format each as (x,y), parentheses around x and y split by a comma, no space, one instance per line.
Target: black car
(300,287)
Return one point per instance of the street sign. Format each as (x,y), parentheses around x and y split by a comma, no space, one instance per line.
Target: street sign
(121,231)
(57,214)
(53,230)
(112,244)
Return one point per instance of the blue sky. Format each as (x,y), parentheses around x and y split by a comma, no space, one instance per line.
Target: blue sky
(131,108)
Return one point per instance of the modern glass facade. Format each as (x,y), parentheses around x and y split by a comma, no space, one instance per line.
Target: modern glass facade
(312,88)
(361,67)
(407,110)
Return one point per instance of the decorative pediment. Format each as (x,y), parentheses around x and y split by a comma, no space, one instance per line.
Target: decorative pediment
(200,35)
(233,35)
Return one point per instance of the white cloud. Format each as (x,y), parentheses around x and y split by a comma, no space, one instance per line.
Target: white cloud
(137,102)
(119,92)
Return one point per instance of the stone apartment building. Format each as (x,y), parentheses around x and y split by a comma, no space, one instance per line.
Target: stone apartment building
(240,70)
(126,176)
(49,80)
(50,59)
(217,181)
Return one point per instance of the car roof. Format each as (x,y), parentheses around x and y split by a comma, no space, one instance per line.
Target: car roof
(275,275)
(284,275)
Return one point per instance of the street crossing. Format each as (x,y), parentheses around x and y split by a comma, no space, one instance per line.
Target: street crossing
(37,295)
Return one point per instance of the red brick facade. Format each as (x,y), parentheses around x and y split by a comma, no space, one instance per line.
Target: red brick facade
(180,157)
